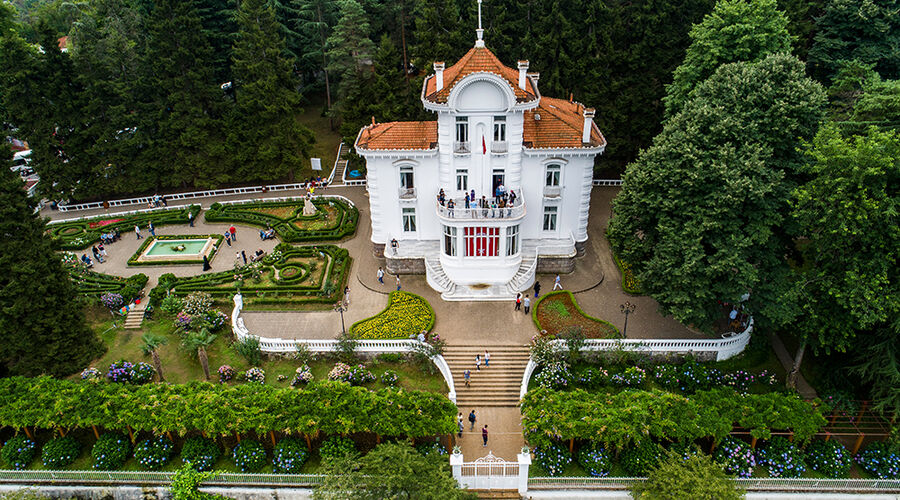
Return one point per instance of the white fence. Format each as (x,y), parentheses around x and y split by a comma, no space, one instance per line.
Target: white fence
(750,484)
(118,214)
(288,198)
(92,477)
(490,472)
(607,182)
(731,344)
(277,345)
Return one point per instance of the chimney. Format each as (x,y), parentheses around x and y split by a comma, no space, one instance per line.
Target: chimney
(439,75)
(534,77)
(588,123)
(523,68)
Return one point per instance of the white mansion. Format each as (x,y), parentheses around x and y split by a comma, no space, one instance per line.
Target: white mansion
(495,190)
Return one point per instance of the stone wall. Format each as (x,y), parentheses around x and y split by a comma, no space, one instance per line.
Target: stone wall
(581,248)
(405,266)
(378,250)
(555,265)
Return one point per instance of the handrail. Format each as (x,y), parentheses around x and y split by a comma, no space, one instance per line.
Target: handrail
(606,182)
(117,477)
(460,212)
(278,345)
(287,198)
(117,214)
(337,159)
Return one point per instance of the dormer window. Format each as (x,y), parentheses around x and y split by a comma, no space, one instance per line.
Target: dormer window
(499,128)
(462,129)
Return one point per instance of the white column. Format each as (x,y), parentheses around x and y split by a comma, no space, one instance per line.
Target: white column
(524,462)
(456,461)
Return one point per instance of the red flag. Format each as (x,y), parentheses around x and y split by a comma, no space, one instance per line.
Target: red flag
(483,146)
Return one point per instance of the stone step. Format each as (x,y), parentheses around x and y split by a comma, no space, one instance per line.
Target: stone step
(492,403)
(491,349)
(496,494)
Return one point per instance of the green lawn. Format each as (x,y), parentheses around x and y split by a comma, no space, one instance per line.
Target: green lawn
(327,140)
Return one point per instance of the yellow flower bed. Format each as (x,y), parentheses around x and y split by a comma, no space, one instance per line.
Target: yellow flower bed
(406,314)
(629,283)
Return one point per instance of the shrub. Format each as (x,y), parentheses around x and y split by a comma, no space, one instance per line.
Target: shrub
(91,374)
(112,300)
(197,303)
(553,458)
(154,453)
(215,320)
(389,357)
(171,304)
(881,460)
(594,459)
(303,375)
(431,447)
(406,314)
(289,456)
(60,452)
(111,451)
(249,456)
(249,349)
(354,375)
(389,377)
(201,453)
(736,457)
(302,353)
(18,452)
(124,372)
(543,352)
(632,376)
(256,375)
(829,458)
(141,373)
(640,460)
(781,458)
(226,373)
(684,450)
(591,377)
(336,447)
(554,375)
(696,477)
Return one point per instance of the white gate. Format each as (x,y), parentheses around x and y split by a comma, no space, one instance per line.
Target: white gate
(489,473)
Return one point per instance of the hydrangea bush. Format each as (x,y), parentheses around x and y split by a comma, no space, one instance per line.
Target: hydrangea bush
(736,457)
(112,300)
(641,459)
(18,452)
(591,377)
(389,377)
(781,458)
(201,453)
(829,458)
(197,303)
(289,456)
(215,320)
(91,374)
(303,375)
(552,458)
(881,460)
(633,376)
(60,452)
(595,460)
(255,375)
(431,447)
(249,456)
(154,453)
(336,447)
(354,375)
(554,375)
(125,372)
(226,373)
(111,451)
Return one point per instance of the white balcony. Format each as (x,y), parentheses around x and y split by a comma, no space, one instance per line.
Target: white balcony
(407,193)
(461,147)
(460,212)
(552,191)
(499,147)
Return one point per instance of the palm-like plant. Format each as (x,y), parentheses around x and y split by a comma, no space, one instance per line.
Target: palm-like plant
(196,343)
(152,343)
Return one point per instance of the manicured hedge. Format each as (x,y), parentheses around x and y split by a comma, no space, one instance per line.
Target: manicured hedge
(218,409)
(133,260)
(286,228)
(406,314)
(634,415)
(592,327)
(630,283)
(284,291)
(93,284)
(78,234)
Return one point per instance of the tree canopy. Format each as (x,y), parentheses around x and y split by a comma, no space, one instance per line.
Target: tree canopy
(697,476)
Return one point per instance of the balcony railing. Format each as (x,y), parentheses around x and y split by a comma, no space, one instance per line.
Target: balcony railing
(461,147)
(499,147)
(407,193)
(552,191)
(460,212)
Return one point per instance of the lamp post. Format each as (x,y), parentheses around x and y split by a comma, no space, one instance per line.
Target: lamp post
(339,307)
(627,308)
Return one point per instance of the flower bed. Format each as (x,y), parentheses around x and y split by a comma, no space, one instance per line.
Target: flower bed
(829,458)
(881,460)
(553,458)
(78,234)
(406,314)
(136,260)
(353,375)
(558,312)
(736,457)
(334,219)
(325,269)
(111,451)
(630,284)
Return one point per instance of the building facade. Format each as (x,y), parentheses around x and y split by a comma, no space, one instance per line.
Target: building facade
(527,158)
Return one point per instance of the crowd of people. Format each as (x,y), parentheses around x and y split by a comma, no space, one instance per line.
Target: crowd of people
(500,205)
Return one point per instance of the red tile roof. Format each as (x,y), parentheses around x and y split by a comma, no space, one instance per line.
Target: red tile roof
(399,135)
(560,126)
(478,59)
(63,42)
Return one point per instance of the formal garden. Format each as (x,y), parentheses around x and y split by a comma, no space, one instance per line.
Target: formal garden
(406,315)
(558,312)
(82,233)
(174,250)
(334,219)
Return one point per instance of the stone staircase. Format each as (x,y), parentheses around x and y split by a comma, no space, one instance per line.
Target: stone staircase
(135,316)
(450,291)
(497,385)
(524,277)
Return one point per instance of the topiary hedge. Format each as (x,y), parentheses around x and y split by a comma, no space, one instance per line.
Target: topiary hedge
(92,284)
(78,234)
(134,259)
(291,225)
(406,314)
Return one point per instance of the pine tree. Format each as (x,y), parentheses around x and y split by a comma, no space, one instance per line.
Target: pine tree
(42,326)
(350,50)
(265,138)
(217,17)
(314,23)
(286,15)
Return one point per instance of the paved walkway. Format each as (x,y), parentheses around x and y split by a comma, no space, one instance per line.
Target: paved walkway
(787,361)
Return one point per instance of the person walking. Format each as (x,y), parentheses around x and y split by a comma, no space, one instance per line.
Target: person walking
(459,424)
(398,282)
(151,228)
(137,231)
(191,218)
(487,358)
(346,297)
(467,375)
(527,303)
(227,237)
(484,435)
(472,420)
(102,250)
(206,266)
(237,259)
(557,284)
(478,362)
(380,275)
(233,232)
(519,301)
(244,256)
(537,289)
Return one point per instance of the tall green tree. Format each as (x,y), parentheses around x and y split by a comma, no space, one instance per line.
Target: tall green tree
(736,30)
(350,50)
(440,33)
(849,283)
(865,30)
(217,17)
(314,22)
(183,114)
(697,477)
(701,216)
(150,344)
(265,138)
(42,326)
(859,98)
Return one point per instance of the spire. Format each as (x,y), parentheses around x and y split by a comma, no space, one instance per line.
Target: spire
(479,32)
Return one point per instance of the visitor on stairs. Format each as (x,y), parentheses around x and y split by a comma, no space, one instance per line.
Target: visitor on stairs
(478,362)
(472,420)
(467,375)
(487,358)
(459,424)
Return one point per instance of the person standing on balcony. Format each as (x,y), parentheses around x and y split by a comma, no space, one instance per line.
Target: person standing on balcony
(450,206)
(467,201)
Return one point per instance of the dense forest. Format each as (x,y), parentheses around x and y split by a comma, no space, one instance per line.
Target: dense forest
(172,94)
